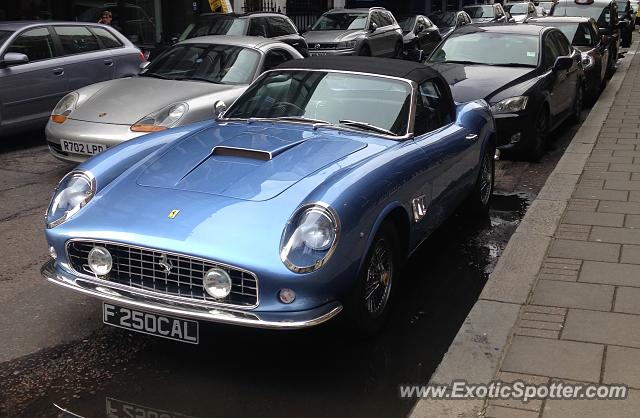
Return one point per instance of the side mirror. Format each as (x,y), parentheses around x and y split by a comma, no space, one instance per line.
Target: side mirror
(144,65)
(373,27)
(13,58)
(219,108)
(562,63)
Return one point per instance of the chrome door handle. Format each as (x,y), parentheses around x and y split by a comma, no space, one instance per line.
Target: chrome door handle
(58,71)
(471,137)
(108,62)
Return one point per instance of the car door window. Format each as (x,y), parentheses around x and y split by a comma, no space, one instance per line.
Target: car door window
(36,44)
(431,109)
(550,52)
(280,27)
(563,45)
(76,39)
(258,26)
(426,23)
(377,19)
(499,12)
(388,18)
(107,39)
(276,57)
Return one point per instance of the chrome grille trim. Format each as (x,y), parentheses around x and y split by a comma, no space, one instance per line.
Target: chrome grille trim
(137,268)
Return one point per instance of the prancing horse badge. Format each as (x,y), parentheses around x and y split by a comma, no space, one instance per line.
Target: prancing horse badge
(174,213)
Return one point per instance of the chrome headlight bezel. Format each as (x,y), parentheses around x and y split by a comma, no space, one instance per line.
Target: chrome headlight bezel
(64,107)
(510,105)
(88,194)
(296,236)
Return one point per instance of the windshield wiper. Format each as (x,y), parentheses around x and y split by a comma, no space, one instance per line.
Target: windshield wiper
(463,62)
(154,75)
(512,64)
(302,119)
(366,126)
(197,79)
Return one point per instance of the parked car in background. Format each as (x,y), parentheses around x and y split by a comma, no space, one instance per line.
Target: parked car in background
(605,13)
(541,11)
(183,85)
(585,37)
(546,5)
(530,75)
(41,61)
(486,13)
(368,32)
(420,34)
(627,23)
(521,11)
(283,213)
(447,22)
(274,26)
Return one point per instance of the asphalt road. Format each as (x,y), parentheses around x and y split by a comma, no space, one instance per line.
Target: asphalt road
(55,349)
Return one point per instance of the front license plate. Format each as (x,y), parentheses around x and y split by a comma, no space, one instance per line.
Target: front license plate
(317,54)
(81,147)
(183,330)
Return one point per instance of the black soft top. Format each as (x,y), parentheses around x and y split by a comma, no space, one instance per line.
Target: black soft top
(409,70)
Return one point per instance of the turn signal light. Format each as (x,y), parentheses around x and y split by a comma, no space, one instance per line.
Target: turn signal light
(58,118)
(146,128)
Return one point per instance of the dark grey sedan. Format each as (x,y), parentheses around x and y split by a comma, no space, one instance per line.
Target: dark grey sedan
(42,61)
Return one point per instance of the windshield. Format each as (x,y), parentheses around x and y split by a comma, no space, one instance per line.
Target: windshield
(546,5)
(215,25)
(601,15)
(578,33)
(479,11)
(336,98)
(489,48)
(447,19)
(341,21)
(407,23)
(517,8)
(4,35)
(224,64)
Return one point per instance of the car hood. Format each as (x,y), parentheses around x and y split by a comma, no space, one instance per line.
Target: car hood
(127,100)
(243,161)
(326,36)
(472,82)
(481,19)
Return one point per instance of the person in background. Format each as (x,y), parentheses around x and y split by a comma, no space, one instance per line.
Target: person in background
(106,18)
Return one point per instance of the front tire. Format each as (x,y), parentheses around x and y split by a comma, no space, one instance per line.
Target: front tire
(479,201)
(368,305)
(539,143)
(578,104)
(365,51)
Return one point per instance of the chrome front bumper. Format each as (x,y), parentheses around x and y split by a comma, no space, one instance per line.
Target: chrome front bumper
(271,320)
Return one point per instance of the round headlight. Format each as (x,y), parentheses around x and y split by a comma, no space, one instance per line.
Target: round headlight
(310,238)
(75,190)
(217,283)
(100,261)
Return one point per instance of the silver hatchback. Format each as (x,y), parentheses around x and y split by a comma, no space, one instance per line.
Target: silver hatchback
(40,62)
(370,32)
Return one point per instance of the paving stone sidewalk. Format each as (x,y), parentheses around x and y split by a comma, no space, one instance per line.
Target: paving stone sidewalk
(581,323)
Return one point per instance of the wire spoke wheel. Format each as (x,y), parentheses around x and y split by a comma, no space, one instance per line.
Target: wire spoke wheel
(379,279)
(486,178)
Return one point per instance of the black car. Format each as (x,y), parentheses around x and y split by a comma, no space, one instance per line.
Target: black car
(266,24)
(530,75)
(447,22)
(486,13)
(419,34)
(605,13)
(585,37)
(627,22)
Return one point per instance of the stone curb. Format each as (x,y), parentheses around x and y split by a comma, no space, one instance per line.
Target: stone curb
(478,348)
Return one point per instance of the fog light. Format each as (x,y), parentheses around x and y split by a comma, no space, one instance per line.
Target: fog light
(515,138)
(287,296)
(53,253)
(217,283)
(100,261)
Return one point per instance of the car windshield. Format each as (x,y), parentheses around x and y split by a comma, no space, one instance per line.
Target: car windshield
(224,64)
(488,48)
(447,19)
(480,11)
(517,8)
(372,103)
(341,21)
(407,23)
(601,15)
(546,5)
(215,25)
(578,33)
(4,35)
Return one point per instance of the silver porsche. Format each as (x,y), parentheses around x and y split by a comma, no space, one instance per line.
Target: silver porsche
(181,86)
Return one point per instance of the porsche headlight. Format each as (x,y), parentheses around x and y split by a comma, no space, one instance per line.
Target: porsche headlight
(310,238)
(347,44)
(65,106)
(162,119)
(74,191)
(510,105)
(587,61)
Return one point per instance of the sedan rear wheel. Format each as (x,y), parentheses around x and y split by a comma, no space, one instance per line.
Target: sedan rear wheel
(578,104)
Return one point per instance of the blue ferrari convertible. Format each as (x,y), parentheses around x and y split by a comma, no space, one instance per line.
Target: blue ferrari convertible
(300,202)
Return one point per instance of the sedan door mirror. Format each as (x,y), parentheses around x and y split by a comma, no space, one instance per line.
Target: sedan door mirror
(219,108)
(562,63)
(14,58)
(373,27)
